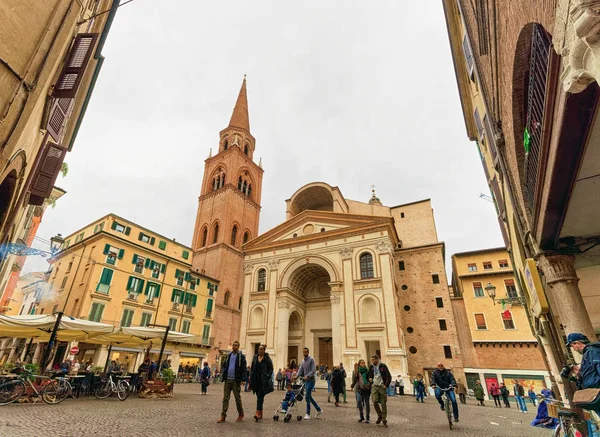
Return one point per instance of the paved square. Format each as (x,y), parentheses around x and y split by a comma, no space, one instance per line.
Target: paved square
(189,414)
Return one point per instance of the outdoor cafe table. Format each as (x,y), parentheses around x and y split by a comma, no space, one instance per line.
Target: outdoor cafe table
(77,382)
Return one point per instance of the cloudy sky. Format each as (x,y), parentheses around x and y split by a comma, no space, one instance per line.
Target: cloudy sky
(351,93)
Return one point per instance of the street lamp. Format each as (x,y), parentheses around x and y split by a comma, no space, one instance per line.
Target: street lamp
(491,291)
(23,250)
(55,243)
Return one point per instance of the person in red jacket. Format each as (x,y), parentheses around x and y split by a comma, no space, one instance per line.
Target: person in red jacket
(495,392)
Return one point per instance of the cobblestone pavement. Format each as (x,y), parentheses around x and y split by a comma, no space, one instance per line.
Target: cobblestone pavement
(189,414)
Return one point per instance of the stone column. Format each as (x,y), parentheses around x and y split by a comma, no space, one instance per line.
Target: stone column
(273,268)
(562,285)
(37,355)
(336,327)
(348,282)
(245,305)
(385,250)
(283,322)
(100,356)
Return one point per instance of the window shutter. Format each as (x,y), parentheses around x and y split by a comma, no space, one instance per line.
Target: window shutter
(129,282)
(174,295)
(216,287)
(162,268)
(135,258)
(121,253)
(47,172)
(140,286)
(109,274)
(140,237)
(185,254)
(162,245)
(147,263)
(70,78)
(127,230)
(147,290)
(209,305)
(152,241)
(178,273)
(186,298)
(57,120)
(95,229)
(157,290)
(194,300)
(187,276)
(99,312)
(106,249)
(114,225)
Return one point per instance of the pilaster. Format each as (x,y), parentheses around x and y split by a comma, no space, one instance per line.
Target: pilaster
(346,256)
(336,328)
(283,321)
(385,250)
(245,305)
(273,271)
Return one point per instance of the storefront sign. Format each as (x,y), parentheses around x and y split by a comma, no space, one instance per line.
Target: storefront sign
(536,291)
(74,350)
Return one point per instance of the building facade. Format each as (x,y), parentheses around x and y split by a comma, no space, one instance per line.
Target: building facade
(495,336)
(117,272)
(227,218)
(529,97)
(51,56)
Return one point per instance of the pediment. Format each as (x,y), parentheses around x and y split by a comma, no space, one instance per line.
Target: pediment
(315,225)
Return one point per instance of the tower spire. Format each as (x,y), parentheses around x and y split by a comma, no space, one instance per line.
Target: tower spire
(239,117)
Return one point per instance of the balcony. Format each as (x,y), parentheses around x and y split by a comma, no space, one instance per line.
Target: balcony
(103,288)
(149,301)
(132,296)
(207,341)
(188,309)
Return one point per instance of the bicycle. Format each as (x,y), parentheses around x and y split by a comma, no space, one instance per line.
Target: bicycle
(108,387)
(570,424)
(53,392)
(447,404)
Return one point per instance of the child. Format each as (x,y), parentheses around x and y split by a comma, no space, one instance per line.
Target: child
(289,397)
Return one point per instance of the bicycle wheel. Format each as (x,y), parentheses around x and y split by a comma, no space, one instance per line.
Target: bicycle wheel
(11,391)
(56,391)
(103,391)
(448,409)
(122,390)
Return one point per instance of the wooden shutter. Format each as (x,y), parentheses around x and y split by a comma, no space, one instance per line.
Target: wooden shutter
(152,241)
(480,320)
(140,236)
(129,282)
(187,276)
(194,300)
(135,258)
(157,290)
(209,305)
(114,225)
(140,286)
(162,268)
(127,230)
(70,78)
(59,112)
(121,253)
(147,263)
(47,172)
(106,249)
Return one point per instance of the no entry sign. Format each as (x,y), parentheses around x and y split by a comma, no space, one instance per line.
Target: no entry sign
(74,350)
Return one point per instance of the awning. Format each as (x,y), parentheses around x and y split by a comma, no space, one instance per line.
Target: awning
(140,335)
(41,326)
(192,354)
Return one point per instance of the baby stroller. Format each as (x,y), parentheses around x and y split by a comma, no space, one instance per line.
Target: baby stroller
(292,407)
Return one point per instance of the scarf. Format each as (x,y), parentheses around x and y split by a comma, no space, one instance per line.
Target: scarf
(364,373)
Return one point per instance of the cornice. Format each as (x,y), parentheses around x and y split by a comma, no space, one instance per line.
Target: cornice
(233,188)
(230,150)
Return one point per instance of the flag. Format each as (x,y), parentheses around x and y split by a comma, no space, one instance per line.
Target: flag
(526,140)
(506,314)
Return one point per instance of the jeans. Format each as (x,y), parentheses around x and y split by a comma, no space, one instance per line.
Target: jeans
(521,403)
(379,395)
(229,386)
(452,396)
(506,403)
(260,397)
(420,393)
(363,403)
(309,386)
(497,400)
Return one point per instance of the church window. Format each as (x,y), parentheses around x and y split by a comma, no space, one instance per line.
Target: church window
(225,145)
(240,183)
(246,149)
(249,190)
(216,233)
(262,279)
(204,237)
(366,266)
(234,235)
(246,237)
(219,180)
(226,298)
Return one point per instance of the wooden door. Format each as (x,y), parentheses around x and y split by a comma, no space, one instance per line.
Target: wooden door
(325,353)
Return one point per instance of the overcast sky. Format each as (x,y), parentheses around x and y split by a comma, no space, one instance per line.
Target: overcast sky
(351,93)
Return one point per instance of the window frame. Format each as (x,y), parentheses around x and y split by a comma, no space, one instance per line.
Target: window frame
(503,261)
(447,351)
(148,316)
(401,265)
(443,324)
(173,323)
(439,300)
(475,290)
(185,323)
(477,326)
(366,265)
(129,319)
(514,286)
(487,265)
(261,282)
(435,278)
(472,267)
(504,320)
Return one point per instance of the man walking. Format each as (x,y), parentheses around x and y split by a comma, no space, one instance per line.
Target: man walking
(234,374)
(279,379)
(520,396)
(344,379)
(380,379)
(307,372)
(443,378)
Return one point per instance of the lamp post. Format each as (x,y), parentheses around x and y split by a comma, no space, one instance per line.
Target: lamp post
(491,291)
(55,243)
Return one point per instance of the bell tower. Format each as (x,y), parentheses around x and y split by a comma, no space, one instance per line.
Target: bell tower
(228,215)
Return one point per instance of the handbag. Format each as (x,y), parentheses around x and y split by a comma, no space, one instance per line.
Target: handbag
(588,399)
(365,386)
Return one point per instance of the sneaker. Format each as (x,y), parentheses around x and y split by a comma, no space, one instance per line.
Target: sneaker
(319,414)
(456,420)
(361,419)
(307,417)
(378,421)
(385,424)
(442,408)
(367,421)
(283,411)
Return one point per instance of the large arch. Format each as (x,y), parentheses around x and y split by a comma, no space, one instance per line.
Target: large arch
(326,264)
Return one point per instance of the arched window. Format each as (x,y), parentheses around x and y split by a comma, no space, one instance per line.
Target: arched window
(216,233)
(262,279)
(249,191)
(244,184)
(225,145)
(240,183)
(226,298)
(219,179)
(234,235)
(204,236)
(257,317)
(246,237)
(246,149)
(366,266)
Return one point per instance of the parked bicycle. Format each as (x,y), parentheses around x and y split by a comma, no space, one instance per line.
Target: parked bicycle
(109,387)
(52,391)
(569,422)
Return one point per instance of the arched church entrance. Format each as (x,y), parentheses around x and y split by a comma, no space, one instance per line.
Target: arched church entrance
(310,284)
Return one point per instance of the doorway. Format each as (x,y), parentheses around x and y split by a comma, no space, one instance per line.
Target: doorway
(325,352)
(373,348)
(292,356)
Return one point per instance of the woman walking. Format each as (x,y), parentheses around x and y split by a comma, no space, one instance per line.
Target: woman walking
(205,377)
(362,388)
(478,391)
(495,392)
(337,384)
(261,378)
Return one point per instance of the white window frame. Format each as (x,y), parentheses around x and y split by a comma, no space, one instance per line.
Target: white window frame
(475,294)
(484,319)
(513,322)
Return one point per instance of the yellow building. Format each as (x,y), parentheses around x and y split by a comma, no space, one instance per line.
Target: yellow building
(494,334)
(117,272)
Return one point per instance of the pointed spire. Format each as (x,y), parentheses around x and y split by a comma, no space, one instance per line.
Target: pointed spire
(210,153)
(239,117)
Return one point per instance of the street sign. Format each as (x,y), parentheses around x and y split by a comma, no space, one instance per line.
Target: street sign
(74,350)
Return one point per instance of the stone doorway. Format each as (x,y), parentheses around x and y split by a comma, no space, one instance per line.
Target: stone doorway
(325,352)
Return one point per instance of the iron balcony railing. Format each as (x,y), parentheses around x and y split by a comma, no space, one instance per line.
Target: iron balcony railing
(536,95)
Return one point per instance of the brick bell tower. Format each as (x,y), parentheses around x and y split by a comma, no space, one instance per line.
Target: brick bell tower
(228,215)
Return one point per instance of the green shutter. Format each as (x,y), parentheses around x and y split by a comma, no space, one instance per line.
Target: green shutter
(209,305)
(187,276)
(129,282)
(121,253)
(174,295)
(157,290)
(93,310)
(127,230)
(114,225)
(99,312)
(162,245)
(134,260)
(106,249)
(106,276)
(95,229)
(194,300)
(140,237)
(147,290)
(177,273)
(152,241)
(162,268)
(140,286)
(197,281)
(147,263)
(185,254)
(186,298)
(216,287)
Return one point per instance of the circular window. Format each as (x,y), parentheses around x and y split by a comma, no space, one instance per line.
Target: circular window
(405,287)
(406,307)
(308,229)
(322,229)
(409,330)
(412,350)
(295,235)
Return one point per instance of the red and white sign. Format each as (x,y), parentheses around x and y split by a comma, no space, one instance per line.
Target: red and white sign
(74,350)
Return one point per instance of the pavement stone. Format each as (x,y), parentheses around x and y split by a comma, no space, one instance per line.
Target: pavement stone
(189,414)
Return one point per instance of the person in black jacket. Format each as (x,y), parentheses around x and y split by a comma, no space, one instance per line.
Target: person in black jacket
(261,378)
(337,384)
(380,379)
(233,373)
(443,378)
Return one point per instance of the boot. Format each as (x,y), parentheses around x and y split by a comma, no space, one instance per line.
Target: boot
(240,417)
(362,417)
(258,415)
(221,419)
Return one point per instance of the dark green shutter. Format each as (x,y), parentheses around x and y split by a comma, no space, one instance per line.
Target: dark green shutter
(127,230)
(121,253)
(152,264)
(194,300)
(140,237)
(178,273)
(140,286)
(114,225)
(106,249)
(186,298)
(135,257)
(174,295)
(147,290)
(152,241)
(129,282)
(216,287)
(185,254)
(197,281)
(106,276)
(162,245)
(187,276)
(209,305)
(95,229)
(162,268)
(157,290)
(147,263)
